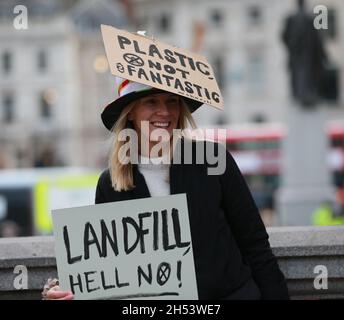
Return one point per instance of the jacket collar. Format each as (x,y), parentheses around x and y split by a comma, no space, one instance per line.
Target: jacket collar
(176,176)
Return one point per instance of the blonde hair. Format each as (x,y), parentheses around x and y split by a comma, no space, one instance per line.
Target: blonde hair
(122,178)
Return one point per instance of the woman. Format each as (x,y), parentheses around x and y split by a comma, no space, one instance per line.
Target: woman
(233,258)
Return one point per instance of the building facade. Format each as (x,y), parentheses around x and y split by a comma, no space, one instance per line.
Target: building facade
(54,82)
(242,41)
(54,77)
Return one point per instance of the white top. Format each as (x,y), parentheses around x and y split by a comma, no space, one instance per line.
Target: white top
(156,176)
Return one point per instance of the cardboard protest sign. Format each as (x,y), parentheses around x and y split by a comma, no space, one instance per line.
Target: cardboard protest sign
(136,249)
(151,62)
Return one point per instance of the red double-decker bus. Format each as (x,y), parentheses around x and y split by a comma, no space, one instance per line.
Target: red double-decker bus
(257,150)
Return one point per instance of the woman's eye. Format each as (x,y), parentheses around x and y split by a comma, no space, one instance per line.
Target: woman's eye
(150,101)
(172,101)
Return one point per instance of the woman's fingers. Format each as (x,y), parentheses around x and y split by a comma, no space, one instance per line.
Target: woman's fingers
(55,293)
(70,296)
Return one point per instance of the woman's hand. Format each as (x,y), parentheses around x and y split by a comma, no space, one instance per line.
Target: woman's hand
(55,293)
(52,291)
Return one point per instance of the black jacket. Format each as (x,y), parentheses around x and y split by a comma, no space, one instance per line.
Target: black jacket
(230,242)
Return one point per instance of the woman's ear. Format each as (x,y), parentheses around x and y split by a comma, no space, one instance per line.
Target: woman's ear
(130,116)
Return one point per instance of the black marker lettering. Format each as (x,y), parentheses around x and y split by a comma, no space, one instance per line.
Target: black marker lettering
(141,273)
(89,241)
(104,285)
(179,268)
(154,65)
(131,69)
(169,56)
(125,222)
(168,79)
(183,72)
(207,93)
(122,41)
(198,89)
(176,228)
(67,245)
(137,48)
(181,58)
(199,64)
(141,73)
(188,87)
(77,283)
(163,273)
(215,96)
(88,281)
(156,77)
(192,63)
(153,50)
(178,85)
(155,230)
(143,231)
(120,285)
(165,240)
(106,238)
(169,69)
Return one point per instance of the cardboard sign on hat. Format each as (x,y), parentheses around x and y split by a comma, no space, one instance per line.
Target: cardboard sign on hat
(152,63)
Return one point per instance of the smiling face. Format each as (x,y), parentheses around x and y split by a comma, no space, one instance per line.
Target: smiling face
(158,111)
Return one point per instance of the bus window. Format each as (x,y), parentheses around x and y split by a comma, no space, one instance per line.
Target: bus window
(337,142)
(271,144)
(338,178)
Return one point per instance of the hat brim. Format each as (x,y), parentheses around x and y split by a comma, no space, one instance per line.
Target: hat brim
(113,110)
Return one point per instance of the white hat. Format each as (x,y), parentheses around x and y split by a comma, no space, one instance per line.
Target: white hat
(128,91)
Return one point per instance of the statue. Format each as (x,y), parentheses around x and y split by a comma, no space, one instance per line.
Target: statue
(307,56)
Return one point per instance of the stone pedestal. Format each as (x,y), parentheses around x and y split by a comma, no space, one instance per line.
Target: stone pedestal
(305,175)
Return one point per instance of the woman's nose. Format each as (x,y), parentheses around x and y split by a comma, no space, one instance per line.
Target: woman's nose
(163,109)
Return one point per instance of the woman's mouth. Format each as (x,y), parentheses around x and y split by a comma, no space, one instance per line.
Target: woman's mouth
(161,124)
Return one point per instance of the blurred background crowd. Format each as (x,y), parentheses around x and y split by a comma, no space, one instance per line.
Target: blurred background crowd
(55,81)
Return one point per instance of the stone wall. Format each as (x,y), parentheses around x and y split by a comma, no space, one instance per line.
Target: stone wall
(298,249)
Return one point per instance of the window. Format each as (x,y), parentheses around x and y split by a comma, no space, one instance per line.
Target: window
(45,106)
(8,108)
(164,23)
(256,80)
(337,142)
(255,17)
(338,179)
(87,23)
(7,62)
(42,61)
(221,120)
(216,17)
(259,118)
